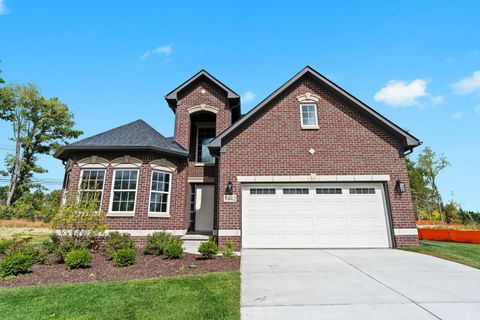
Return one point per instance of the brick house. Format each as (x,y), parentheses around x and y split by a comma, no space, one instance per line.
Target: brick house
(310,166)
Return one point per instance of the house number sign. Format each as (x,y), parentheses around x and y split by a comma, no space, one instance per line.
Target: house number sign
(230,198)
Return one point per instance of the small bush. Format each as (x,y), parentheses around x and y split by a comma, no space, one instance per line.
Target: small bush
(5,245)
(174,249)
(115,241)
(124,257)
(51,244)
(228,249)
(156,242)
(78,258)
(208,249)
(15,263)
(65,246)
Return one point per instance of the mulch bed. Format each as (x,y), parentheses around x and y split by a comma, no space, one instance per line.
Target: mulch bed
(146,266)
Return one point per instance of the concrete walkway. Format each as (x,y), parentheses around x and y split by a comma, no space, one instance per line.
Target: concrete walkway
(356,284)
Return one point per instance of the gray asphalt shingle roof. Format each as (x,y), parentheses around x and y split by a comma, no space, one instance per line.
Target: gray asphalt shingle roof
(137,135)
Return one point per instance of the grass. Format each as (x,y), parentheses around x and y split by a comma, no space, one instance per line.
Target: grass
(209,296)
(37,230)
(22,223)
(465,253)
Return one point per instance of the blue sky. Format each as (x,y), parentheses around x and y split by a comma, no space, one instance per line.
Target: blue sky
(113,61)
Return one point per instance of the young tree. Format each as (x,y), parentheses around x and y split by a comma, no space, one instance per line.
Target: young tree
(39,126)
(419,189)
(431,166)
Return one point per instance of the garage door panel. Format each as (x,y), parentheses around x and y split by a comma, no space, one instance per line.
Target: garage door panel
(296,205)
(297,222)
(328,223)
(316,220)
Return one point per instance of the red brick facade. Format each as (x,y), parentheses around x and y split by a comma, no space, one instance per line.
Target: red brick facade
(346,143)
(271,143)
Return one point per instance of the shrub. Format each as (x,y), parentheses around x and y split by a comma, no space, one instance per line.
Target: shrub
(78,258)
(156,242)
(80,222)
(124,257)
(174,249)
(208,249)
(115,241)
(15,263)
(5,245)
(64,247)
(51,244)
(228,249)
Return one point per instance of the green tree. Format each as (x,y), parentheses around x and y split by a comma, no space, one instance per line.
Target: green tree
(431,166)
(419,188)
(39,126)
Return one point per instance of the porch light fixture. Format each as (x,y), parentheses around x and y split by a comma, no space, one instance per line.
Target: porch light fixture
(229,189)
(400,186)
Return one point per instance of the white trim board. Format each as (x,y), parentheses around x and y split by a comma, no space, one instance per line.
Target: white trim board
(315,178)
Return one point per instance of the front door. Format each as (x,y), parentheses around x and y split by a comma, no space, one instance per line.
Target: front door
(204,198)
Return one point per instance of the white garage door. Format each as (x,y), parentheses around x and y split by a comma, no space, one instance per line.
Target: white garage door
(314,216)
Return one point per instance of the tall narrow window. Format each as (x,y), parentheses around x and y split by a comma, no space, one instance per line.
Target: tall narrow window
(309,116)
(160,193)
(124,191)
(91,185)
(204,136)
(66,187)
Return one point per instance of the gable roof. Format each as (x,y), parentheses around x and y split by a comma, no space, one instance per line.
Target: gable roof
(409,141)
(172,96)
(137,135)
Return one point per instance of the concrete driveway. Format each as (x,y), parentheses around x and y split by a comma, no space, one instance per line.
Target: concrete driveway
(356,284)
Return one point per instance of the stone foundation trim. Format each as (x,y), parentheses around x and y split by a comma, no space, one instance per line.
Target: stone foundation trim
(201,180)
(144,233)
(229,233)
(315,178)
(406,232)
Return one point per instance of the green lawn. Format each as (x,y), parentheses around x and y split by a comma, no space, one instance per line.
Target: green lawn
(466,253)
(209,296)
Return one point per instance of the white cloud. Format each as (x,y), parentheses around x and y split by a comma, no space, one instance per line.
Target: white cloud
(401,94)
(3,8)
(248,96)
(457,116)
(436,100)
(162,50)
(469,84)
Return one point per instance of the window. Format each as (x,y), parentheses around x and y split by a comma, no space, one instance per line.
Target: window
(124,191)
(295,191)
(204,136)
(66,187)
(262,191)
(329,191)
(159,193)
(362,190)
(309,115)
(91,185)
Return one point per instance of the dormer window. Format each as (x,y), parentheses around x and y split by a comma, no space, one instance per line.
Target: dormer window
(308,116)
(205,134)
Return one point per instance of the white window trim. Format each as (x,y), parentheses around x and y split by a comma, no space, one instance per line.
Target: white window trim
(112,190)
(81,179)
(154,214)
(203,126)
(309,127)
